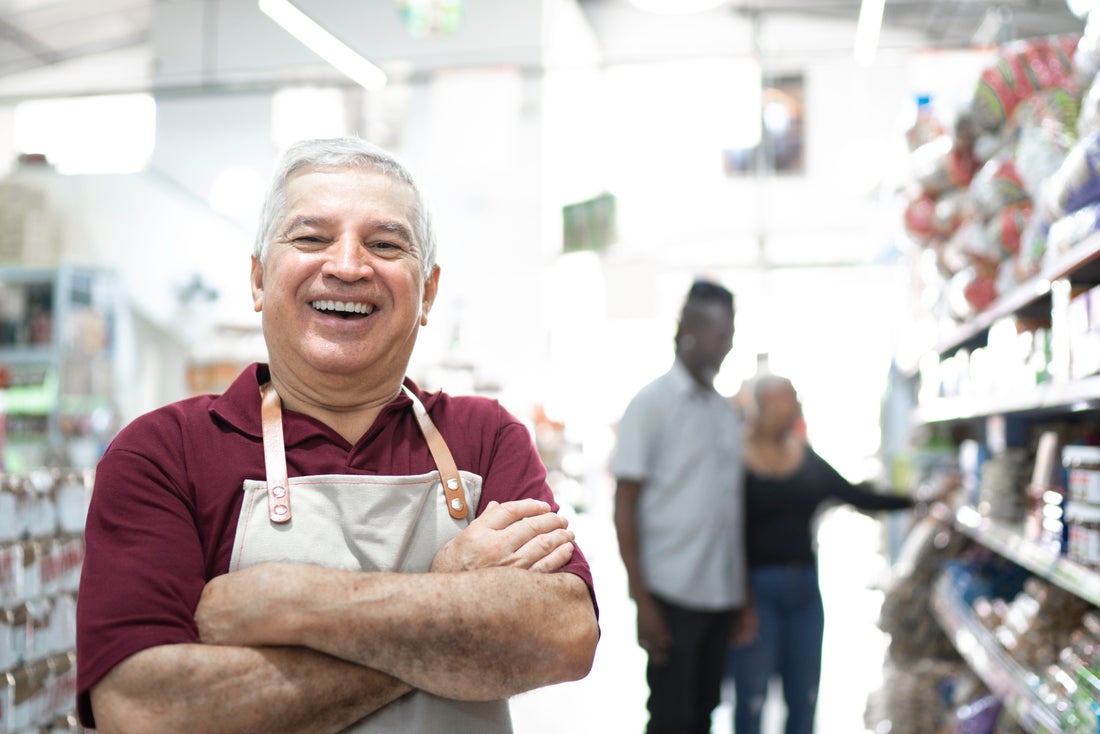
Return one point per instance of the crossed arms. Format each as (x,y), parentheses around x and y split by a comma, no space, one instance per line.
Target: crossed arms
(287,647)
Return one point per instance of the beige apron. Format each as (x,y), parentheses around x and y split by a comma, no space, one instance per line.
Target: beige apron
(366,523)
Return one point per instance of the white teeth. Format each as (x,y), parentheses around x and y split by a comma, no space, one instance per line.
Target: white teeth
(343,306)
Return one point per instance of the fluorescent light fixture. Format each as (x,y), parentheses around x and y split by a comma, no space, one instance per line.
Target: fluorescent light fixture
(676,7)
(324,44)
(867,31)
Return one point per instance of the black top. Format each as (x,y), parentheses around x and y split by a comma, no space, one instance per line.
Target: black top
(779,512)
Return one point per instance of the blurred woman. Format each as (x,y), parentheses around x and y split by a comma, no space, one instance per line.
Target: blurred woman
(786,484)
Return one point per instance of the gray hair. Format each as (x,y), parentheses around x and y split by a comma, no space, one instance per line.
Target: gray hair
(349,152)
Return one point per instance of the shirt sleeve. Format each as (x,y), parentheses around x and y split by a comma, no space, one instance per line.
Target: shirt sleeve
(143,571)
(630,460)
(515,471)
(859,496)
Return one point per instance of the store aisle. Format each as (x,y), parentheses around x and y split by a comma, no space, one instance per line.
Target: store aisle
(611,700)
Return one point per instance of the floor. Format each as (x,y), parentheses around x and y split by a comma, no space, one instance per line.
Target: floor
(612,698)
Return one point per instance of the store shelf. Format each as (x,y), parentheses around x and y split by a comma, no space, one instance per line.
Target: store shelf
(32,355)
(1075,395)
(1013,684)
(1008,540)
(1081,262)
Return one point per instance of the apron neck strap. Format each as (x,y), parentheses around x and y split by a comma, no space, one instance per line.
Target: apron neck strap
(453,489)
(278,486)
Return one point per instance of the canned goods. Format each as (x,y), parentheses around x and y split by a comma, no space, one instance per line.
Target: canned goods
(1084,534)
(1082,465)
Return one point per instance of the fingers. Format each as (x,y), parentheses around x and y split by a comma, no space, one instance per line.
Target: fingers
(656,649)
(522,533)
(555,559)
(499,515)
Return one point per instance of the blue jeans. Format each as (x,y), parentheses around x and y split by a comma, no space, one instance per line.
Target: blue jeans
(788,645)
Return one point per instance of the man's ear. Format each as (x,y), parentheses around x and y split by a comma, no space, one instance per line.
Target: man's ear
(257,284)
(431,287)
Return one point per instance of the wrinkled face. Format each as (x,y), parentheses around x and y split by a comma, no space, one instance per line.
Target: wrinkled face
(341,291)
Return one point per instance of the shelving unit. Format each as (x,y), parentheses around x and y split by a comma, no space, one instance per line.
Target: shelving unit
(1063,398)
(1008,680)
(57,365)
(1043,561)
(1032,298)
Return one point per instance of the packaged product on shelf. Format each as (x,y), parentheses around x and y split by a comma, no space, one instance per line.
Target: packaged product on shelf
(14,634)
(1086,57)
(1001,494)
(915,698)
(1039,623)
(1033,246)
(996,185)
(1022,69)
(920,218)
(973,289)
(72,491)
(1082,465)
(40,641)
(1047,494)
(1065,232)
(1057,690)
(979,716)
(942,164)
(1079,658)
(1046,133)
(926,126)
(32,569)
(1088,121)
(1076,182)
(1005,229)
(1083,533)
(914,633)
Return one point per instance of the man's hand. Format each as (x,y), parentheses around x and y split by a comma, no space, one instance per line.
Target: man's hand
(653,636)
(523,534)
(746,626)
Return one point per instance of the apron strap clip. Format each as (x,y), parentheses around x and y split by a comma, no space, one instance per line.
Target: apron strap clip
(278,486)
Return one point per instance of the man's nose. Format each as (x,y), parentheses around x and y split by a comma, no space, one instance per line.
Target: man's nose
(349,259)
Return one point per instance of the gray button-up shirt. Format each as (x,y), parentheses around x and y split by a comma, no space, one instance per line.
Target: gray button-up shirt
(682,442)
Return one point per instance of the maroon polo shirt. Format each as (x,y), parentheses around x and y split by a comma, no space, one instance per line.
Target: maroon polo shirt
(168,492)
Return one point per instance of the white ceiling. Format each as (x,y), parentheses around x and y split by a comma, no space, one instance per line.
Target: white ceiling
(44,35)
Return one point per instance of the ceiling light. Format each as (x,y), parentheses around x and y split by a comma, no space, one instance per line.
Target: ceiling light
(324,44)
(867,31)
(676,7)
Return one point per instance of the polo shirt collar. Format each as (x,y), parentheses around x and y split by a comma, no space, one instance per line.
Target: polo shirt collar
(239,406)
(683,382)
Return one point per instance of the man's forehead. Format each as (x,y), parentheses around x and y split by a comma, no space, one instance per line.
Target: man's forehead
(306,189)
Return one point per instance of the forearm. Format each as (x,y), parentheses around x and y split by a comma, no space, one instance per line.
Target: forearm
(211,688)
(626,532)
(472,635)
(476,635)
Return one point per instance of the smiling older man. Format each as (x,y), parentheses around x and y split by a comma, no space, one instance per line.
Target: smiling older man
(325,546)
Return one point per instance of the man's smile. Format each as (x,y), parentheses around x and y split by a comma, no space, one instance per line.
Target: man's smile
(344,309)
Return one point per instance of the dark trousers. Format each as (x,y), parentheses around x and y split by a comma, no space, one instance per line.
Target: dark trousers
(686,689)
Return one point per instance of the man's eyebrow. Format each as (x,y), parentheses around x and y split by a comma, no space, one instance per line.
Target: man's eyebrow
(398,229)
(305,222)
